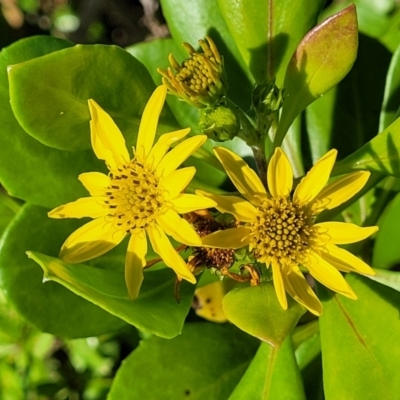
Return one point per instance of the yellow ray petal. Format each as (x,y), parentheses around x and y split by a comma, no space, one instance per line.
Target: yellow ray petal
(177,181)
(242,176)
(232,238)
(341,190)
(149,122)
(179,154)
(316,178)
(190,202)
(163,247)
(240,208)
(107,140)
(297,286)
(95,183)
(91,240)
(344,261)
(92,207)
(278,285)
(134,263)
(279,174)
(343,232)
(329,276)
(173,225)
(163,144)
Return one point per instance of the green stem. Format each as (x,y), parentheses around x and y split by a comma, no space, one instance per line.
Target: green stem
(278,137)
(253,139)
(261,162)
(271,137)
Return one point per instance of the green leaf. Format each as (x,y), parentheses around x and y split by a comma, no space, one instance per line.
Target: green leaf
(205,362)
(49,94)
(268,375)
(268,32)
(321,60)
(360,342)
(320,120)
(391,102)
(292,147)
(154,311)
(377,19)
(154,55)
(347,116)
(391,37)
(381,154)
(387,250)
(30,170)
(308,357)
(388,278)
(8,209)
(256,310)
(192,20)
(50,307)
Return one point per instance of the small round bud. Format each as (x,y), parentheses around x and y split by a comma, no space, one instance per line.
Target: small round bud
(220,123)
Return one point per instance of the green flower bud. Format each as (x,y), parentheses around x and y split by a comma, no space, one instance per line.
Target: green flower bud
(267,100)
(201,79)
(220,123)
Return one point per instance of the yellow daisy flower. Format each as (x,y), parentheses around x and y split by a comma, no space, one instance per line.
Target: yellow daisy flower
(140,196)
(279,226)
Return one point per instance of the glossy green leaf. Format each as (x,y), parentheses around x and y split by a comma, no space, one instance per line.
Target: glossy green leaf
(387,250)
(256,310)
(320,119)
(154,55)
(321,60)
(308,357)
(388,278)
(49,306)
(381,154)
(377,19)
(268,32)
(391,38)
(391,102)
(8,209)
(359,341)
(154,311)
(204,362)
(11,323)
(49,94)
(192,20)
(28,169)
(347,116)
(268,375)
(292,147)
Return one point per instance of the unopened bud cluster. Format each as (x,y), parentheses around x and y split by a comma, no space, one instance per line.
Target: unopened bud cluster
(267,100)
(201,79)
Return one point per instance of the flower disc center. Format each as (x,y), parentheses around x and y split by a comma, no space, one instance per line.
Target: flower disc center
(282,232)
(134,198)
